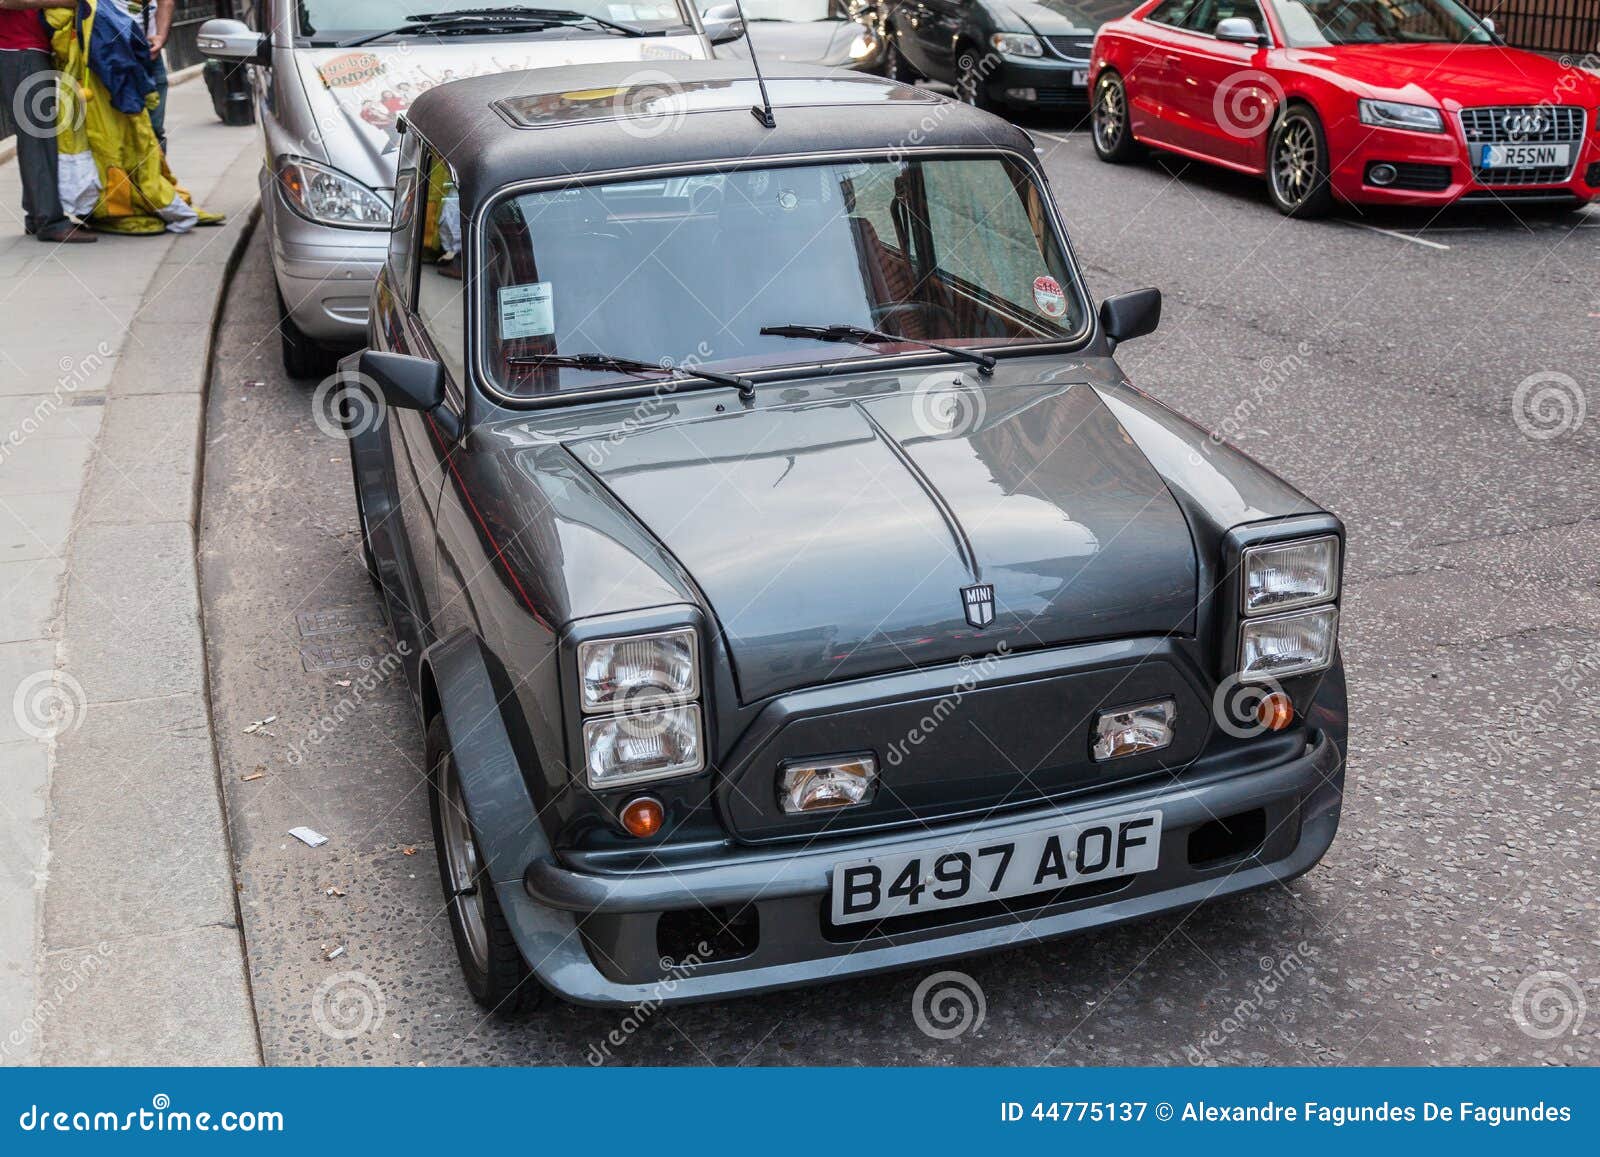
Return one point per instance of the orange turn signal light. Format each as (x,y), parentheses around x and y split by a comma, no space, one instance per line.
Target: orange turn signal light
(642,817)
(1275,711)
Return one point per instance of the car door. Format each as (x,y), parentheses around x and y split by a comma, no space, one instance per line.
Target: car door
(938,22)
(1222,96)
(1150,74)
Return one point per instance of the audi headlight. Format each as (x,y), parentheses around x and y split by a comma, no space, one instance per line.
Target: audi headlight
(1388,114)
(1285,575)
(1016,44)
(1279,646)
(640,670)
(637,746)
(329,197)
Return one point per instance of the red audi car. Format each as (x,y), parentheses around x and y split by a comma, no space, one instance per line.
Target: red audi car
(1401,102)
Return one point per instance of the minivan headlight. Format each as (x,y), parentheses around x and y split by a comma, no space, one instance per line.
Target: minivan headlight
(329,197)
(1016,44)
(639,670)
(1282,576)
(1283,645)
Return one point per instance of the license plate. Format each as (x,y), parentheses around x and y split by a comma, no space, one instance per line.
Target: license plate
(1524,156)
(977,870)
(1080,77)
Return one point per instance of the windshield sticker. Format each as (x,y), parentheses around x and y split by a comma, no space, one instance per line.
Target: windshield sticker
(527,311)
(1048,297)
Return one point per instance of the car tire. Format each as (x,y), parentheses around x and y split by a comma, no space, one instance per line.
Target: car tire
(491,963)
(895,65)
(969,84)
(368,559)
(1110,126)
(1297,164)
(303,356)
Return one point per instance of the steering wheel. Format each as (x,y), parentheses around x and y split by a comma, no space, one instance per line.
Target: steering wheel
(924,309)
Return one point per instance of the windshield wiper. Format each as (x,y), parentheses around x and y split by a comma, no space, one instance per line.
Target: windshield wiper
(490,21)
(862,336)
(634,368)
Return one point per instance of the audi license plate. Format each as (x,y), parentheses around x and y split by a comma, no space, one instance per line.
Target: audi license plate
(978,870)
(1524,156)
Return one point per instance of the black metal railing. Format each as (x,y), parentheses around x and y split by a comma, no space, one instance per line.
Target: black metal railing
(1560,27)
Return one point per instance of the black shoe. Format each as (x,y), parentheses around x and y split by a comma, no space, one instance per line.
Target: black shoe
(66,233)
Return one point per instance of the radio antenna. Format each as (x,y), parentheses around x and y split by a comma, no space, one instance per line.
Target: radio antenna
(763,111)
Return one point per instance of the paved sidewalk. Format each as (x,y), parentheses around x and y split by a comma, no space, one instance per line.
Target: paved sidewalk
(119,941)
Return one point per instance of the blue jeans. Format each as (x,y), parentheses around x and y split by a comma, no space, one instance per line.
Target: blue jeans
(158,115)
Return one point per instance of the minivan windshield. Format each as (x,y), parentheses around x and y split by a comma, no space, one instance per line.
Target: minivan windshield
(1311,23)
(340,20)
(688,270)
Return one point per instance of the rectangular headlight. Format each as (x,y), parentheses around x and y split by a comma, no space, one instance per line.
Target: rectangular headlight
(640,670)
(1284,645)
(819,786)
(1389,114)
(1147,727)
(1286,575)
(643,745)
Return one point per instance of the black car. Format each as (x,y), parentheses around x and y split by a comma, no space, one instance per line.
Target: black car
(793,585)
(1022,54)
(837,33)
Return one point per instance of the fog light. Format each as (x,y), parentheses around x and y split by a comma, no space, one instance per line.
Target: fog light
(1023,94)
(1275,711)
(642,817)
(1147,727)
(1381,174)
(813,787)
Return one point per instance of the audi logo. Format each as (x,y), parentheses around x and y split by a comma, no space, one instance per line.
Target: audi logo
(1524,124)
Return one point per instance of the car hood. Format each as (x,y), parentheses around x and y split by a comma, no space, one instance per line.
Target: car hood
(1453,75)
(834,540)
(353,94)
(1055,19)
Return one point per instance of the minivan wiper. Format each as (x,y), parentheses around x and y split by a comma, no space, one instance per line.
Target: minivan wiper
(490,21)
(634,368)
(863,336)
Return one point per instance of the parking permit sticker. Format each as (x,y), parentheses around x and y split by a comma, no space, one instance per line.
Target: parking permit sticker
(527,311)
(1048,297)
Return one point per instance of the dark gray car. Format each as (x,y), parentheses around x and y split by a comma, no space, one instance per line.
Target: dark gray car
(793,585)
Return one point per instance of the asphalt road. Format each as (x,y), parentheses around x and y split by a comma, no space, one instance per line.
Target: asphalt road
(1376,362)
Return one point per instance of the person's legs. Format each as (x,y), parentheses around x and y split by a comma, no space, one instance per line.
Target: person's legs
(36,138)
(158,115)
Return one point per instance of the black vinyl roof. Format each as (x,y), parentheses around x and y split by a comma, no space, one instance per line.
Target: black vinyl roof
(579,119)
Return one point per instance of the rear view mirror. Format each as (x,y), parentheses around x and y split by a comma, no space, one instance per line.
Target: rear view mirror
(233,40)
(723,23)
(1130,315)
(408,383)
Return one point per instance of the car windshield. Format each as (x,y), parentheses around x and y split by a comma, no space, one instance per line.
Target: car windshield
(687,270)
(338,20)
(796,11)
(1309,23)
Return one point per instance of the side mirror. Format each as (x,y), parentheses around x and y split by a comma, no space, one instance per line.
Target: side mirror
(408,383)
(723,23)
(1240,30)
(233,40)
(1130,315)
(1488,22)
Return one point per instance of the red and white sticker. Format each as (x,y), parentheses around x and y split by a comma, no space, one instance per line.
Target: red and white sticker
(1048,297)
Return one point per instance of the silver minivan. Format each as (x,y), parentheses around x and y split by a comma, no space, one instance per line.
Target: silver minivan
(333,77)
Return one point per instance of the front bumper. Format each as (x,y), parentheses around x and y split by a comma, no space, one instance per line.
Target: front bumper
(565,920)
(1042,83)
(325,274)
(1444,155)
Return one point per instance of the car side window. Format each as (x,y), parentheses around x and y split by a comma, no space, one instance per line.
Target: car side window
(1209,13)
(408,191)
(441,301)
(1173,13)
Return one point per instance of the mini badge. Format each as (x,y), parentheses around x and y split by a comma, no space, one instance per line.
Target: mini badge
(979,603)
(1047,295)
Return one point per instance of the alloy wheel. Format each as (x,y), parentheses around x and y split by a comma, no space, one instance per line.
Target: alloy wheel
(467,877)
(1294,161)
(1110,115)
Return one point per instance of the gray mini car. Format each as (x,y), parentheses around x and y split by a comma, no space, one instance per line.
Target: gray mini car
(793,586)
